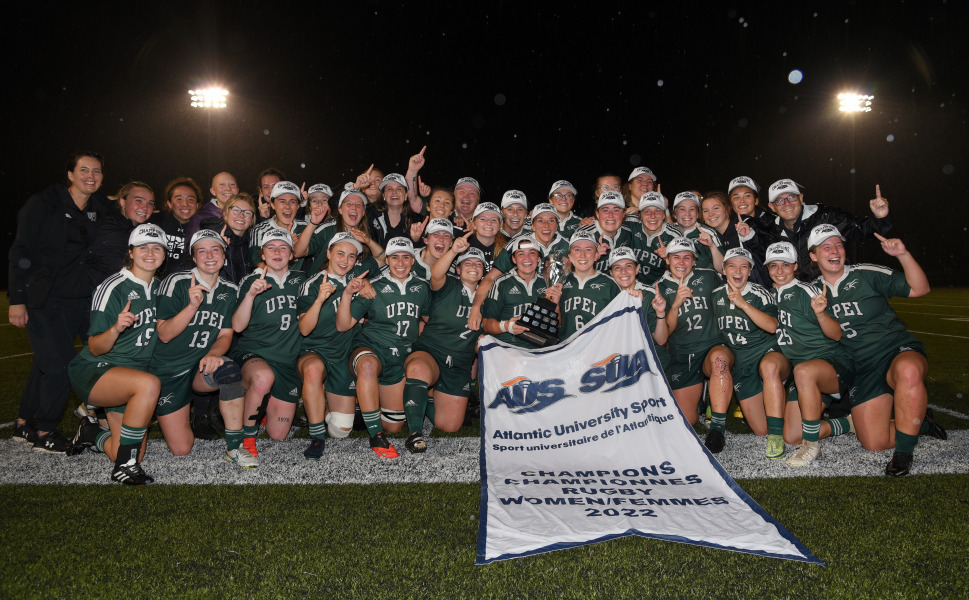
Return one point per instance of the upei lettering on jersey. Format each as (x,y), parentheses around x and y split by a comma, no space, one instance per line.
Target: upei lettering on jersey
(409,309)
(207,318)
(280,302)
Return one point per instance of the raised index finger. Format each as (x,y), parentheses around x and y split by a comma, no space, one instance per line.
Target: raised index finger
(370,170)
(880,238)
(263,276)
(422,150)
(878,192)
(193,281)
(127,306)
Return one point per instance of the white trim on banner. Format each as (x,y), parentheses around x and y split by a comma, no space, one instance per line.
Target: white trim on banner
(583,442)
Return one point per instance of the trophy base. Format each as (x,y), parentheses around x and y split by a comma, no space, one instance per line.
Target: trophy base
(542,322)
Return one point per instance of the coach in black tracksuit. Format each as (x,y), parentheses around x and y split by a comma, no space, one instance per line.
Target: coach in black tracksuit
(50,291)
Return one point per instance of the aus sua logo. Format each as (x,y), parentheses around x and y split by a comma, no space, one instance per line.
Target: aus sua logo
(617,371)
(522,395)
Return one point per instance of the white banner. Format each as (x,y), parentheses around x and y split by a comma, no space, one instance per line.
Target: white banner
(583,442)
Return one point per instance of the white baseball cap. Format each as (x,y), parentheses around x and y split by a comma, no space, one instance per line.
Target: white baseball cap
(562,184)
(346,193)
(781,251)
(393,178)
(611,199)
(683,197)
(148,233)
(399,244)
(743,181)
(738,253)
(285,187)
(438,225)
(652,199)
(277,235)
(681,244)
(821,233)
(782,186)
(486,207)
(582,236)
(345,236)
(475,253)
(468,181)
(514,197)
(206,234)
(621,253)
(641,171)
(544,207)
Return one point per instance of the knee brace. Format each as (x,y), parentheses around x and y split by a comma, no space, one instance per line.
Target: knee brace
(228,378)
(339,425)
(392,416)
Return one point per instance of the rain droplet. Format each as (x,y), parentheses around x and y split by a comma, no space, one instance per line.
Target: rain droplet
(500,99)
(743,123)
(890,138)
(464,145)
(949,169)
(852,171)
(795,76)
(265,132)
(302,165)
(659,83)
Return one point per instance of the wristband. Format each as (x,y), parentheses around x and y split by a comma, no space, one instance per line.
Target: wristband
(503,326)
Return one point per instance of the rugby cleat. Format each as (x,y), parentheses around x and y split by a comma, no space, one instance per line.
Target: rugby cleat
(900,464)
(52,443)
(806,453)
(415,443)
(775,446)
(382,446)
(23,432)
(315,449)
(87,433)
(249,444)
(241,457)
(715,441)
(131,474)
(935,430)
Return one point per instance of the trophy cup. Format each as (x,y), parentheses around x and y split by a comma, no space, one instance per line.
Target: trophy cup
(541,318)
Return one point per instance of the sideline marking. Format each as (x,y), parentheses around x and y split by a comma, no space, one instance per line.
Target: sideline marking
(950,412)
(927,314)
(958,337)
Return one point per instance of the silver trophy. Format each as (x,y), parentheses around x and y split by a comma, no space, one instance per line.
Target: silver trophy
(541,319)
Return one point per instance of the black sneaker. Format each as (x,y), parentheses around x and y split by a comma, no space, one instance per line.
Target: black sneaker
(715,441)
(87,433)
(23,432)
(131,475)
(52,443)
(935,430)
(315,450)
(415,443)
(202,428)
(900,464)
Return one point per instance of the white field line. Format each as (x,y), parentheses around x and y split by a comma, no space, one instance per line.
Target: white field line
(958,337)
(950,412)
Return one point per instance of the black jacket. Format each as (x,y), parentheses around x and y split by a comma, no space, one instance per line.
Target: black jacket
(106,255)
(47,257)
(770,228)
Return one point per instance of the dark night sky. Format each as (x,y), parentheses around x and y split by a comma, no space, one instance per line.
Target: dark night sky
(513,95)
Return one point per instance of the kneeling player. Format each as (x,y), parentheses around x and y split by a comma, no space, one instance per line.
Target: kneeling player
(194,325)
(381,345)
(445,351)
(747,319)
(111,371)
(324,350)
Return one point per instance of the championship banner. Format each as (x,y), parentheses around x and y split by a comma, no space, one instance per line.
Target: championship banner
(583,442)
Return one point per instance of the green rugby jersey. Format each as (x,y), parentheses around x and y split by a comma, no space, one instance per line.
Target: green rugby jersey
(504,264)
(508,298)
(651,266)
(737,331)
(858,301)
(212,316)
(696,327)
(394,315)
(623,237)
(582,300)
(705,258)
(134,346)
(447,329)
(273,330)
(799,336)
(325,334)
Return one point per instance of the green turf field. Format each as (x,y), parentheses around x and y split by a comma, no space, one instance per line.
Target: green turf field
(880,538)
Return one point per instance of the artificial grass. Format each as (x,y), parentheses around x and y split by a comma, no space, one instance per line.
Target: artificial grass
(879,538)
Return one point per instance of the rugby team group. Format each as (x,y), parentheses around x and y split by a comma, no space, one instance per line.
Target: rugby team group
(370,302)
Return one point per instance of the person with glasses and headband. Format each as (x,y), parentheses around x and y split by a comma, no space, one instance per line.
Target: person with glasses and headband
(793,220)
(238,215)
(562,197)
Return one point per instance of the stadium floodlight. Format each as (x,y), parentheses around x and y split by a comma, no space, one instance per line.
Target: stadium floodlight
(209,98)
(851,103)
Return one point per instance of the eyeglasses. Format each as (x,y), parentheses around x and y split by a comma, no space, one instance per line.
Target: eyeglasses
(609,188)
(235,212)
(565,196)
(782,200)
